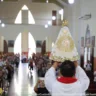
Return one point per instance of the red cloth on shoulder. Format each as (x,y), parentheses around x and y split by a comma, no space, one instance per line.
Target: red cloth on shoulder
(67,80)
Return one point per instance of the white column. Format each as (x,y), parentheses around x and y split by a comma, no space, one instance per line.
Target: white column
(89,54)
(24,42)
(85,57)
(48,44)
(1,43)
(25,16)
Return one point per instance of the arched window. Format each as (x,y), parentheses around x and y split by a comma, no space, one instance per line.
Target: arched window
(30,17)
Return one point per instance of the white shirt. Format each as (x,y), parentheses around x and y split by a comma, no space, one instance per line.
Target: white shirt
(57,88)
(95,73)
(94,78)
(1,63)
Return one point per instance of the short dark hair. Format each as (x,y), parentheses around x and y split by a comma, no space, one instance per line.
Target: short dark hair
(67,69)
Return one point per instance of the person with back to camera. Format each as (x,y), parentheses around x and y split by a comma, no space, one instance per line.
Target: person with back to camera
(31,64)
(72,81)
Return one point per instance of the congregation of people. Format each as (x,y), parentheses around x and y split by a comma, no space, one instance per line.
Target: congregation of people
(8,63)
(47,71)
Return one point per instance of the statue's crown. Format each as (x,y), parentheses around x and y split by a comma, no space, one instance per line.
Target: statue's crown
(65,23)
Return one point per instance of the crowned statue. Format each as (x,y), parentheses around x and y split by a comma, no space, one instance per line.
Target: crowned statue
(64,47)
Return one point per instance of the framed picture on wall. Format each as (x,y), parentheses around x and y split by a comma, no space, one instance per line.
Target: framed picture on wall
(10,43)
(38,43)
(87,42)
(82,41)
(93,41)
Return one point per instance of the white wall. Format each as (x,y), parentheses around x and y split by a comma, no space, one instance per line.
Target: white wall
(78,27)
(42,12)
(89,8)
(24,41)
(1,43)
(71,13)
(39,32)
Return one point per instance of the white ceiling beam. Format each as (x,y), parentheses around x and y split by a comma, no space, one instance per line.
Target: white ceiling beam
(62,3)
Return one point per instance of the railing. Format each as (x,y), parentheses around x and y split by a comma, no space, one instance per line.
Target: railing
(38,21)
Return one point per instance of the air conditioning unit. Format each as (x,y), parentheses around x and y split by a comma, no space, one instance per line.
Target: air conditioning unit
(85,17)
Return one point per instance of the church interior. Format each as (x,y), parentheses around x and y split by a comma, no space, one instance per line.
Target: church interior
(28,32)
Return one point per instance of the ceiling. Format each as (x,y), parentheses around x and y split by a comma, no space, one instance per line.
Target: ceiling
(11,0)
(57,2)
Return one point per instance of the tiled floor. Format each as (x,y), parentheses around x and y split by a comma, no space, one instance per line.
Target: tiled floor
(23,82)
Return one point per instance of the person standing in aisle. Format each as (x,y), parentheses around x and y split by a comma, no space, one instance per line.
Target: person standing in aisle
(72,80)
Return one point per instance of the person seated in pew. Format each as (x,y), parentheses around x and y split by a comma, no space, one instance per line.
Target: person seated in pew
(40,88)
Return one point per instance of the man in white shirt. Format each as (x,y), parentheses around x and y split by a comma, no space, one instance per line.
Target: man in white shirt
(72,82)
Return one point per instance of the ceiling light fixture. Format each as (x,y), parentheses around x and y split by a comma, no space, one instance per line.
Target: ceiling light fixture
(49,22)
(46,26)
(47,1)
(0,21)
(61,11)
(2,0)
(2,25)
(53,17)
(71,1)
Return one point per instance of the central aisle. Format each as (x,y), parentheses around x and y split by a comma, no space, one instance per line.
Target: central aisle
(23,82)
